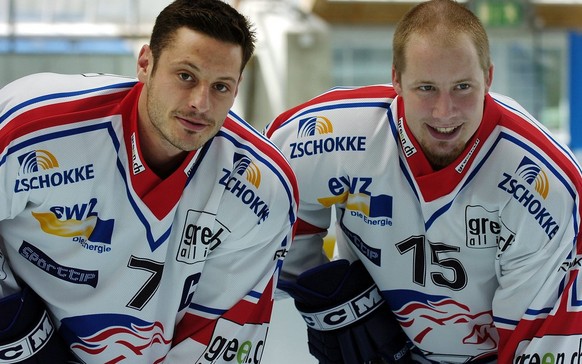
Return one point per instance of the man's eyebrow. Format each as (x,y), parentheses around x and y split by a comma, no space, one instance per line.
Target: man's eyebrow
(196,68)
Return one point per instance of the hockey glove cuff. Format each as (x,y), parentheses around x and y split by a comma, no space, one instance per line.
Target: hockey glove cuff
(27,333)
(347,319)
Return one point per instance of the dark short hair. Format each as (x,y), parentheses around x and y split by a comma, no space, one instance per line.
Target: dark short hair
(214,18)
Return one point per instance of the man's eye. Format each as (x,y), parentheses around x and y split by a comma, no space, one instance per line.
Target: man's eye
(221,87)
(464,86)
(185,76)
(425,88)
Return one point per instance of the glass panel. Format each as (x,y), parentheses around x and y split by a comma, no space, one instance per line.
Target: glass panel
(530,68)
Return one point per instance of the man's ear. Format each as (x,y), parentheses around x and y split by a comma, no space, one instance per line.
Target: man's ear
(396,81)
(144,63)
(238,85)
(489,79)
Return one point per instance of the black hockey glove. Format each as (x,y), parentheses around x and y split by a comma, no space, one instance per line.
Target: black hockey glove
(27,333)
(348,322)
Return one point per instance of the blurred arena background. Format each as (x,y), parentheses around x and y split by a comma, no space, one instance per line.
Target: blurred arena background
(305,47)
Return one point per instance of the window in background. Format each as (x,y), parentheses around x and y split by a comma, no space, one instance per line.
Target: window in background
(531,68)
(361,55)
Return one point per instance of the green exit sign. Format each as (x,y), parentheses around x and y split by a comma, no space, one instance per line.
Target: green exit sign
(500,13)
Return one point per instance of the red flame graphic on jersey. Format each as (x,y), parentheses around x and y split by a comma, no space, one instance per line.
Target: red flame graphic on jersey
(449,312)
(137,339)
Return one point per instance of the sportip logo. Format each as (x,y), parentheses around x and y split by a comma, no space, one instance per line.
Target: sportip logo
(534,175)
(36,160)
(314,125)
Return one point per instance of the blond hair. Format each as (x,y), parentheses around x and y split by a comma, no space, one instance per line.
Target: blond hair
(448,18)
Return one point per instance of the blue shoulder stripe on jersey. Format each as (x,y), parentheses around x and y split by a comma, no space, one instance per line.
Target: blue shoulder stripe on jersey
(549,136)
(477,168)
(292,217)
(543,311)
(62,95)
(248,127)
(505,321)
(153,242)
(210,310)
(275,170)
(55,135)
(217,311)
(359,104)
(529,312)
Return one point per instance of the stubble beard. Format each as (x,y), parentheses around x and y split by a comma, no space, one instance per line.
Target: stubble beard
(439,160)
(161,124)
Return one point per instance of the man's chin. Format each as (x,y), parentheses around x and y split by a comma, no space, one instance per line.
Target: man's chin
(441,160)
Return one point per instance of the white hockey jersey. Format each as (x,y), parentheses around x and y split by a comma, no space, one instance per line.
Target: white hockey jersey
(135,269)
(477,259)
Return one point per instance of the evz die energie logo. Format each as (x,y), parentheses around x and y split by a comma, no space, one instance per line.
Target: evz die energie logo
(372,209)
(360,203)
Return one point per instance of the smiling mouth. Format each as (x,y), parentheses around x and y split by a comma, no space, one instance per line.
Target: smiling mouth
(443,130)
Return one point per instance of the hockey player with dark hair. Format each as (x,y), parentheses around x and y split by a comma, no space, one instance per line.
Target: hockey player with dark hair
(142,221)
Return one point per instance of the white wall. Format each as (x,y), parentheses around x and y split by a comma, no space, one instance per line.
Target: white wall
(287,338)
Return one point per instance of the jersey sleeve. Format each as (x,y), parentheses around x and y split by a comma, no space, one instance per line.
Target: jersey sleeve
(23,315)
(325,140)
(229,314)
(313,218)
(209,333)
(537,308)
(8,205)
(24,103)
